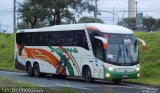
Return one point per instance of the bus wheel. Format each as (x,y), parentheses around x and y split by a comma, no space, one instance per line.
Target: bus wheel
(62,76)
(36,70)
(87,75)
(117,81)
(29,69)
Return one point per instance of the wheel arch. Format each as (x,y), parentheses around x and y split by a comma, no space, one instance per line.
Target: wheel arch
(27,63)
(37,62)
(83,68)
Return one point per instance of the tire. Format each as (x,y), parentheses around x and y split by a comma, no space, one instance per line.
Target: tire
(36,70)
(88,75)
(62,76)
(29,70)
(116,81)
(43,74)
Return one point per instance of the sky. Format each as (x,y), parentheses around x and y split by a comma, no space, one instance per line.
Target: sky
(148,7)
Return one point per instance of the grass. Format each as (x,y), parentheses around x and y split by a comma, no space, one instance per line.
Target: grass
(68,90)
(7,83)
(150,59)
(6,51)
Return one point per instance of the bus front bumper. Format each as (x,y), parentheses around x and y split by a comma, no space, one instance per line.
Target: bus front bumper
(120,75)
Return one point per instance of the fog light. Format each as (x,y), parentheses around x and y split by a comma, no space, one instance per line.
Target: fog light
(138,75)
(107,75)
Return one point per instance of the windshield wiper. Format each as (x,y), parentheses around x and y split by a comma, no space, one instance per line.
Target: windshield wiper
(129,54)
(118,54)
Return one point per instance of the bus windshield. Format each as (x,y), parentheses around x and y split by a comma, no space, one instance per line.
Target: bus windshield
(122,50)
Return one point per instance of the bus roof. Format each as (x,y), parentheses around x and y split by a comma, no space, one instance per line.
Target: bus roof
(91,26)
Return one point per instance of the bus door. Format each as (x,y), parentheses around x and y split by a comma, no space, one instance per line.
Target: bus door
(99,58)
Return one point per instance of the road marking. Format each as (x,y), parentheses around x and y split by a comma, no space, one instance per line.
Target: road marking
(73,86)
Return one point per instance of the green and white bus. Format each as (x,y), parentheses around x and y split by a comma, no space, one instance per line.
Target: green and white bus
(92,51)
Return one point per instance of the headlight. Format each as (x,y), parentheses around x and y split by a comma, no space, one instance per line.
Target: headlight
(107,75)
(137,69)
(110,69)
(138,75)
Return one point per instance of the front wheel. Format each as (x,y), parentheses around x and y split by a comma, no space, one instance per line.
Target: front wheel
(117,81)
(88,75)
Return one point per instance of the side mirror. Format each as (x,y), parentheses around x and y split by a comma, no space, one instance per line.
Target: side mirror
(144,46)
(104,41)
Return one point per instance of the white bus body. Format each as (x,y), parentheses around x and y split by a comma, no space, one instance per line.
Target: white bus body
(92,51)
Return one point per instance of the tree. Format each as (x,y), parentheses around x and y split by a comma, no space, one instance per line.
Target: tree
(24,25)
(53,12)
(32,14)
(158,24)
(128,22)
(61,8)
(89,20)
(149,23)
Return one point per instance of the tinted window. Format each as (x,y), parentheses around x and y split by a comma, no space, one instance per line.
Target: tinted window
(56,38)
(119,38)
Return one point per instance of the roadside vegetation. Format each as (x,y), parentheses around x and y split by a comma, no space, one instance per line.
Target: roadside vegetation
(8,85)
(6,51)
(150,59)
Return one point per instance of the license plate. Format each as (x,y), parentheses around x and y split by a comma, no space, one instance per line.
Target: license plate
(125,76)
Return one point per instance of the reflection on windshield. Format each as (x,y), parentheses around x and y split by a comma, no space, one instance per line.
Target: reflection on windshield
(122,53)
(122,49)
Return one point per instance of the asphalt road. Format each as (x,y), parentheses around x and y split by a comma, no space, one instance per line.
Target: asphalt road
(80,85)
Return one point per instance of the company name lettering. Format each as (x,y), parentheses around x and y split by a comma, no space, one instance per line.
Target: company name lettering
(70,50)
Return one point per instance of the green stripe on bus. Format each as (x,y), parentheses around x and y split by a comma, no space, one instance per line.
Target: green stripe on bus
(69,66)
(75,62)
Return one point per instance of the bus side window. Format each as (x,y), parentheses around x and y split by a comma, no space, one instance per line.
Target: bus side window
(49,39)
(82,40)
(69,38)
(32,39)
(26,39)
(36,37)
(19,39)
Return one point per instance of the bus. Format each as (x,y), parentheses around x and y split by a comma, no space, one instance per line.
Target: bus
(90,51)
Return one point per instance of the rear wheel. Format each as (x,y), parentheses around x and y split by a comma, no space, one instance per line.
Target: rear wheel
(36,70)
(117,81)
(62,76)
(88,75)
(29,69)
